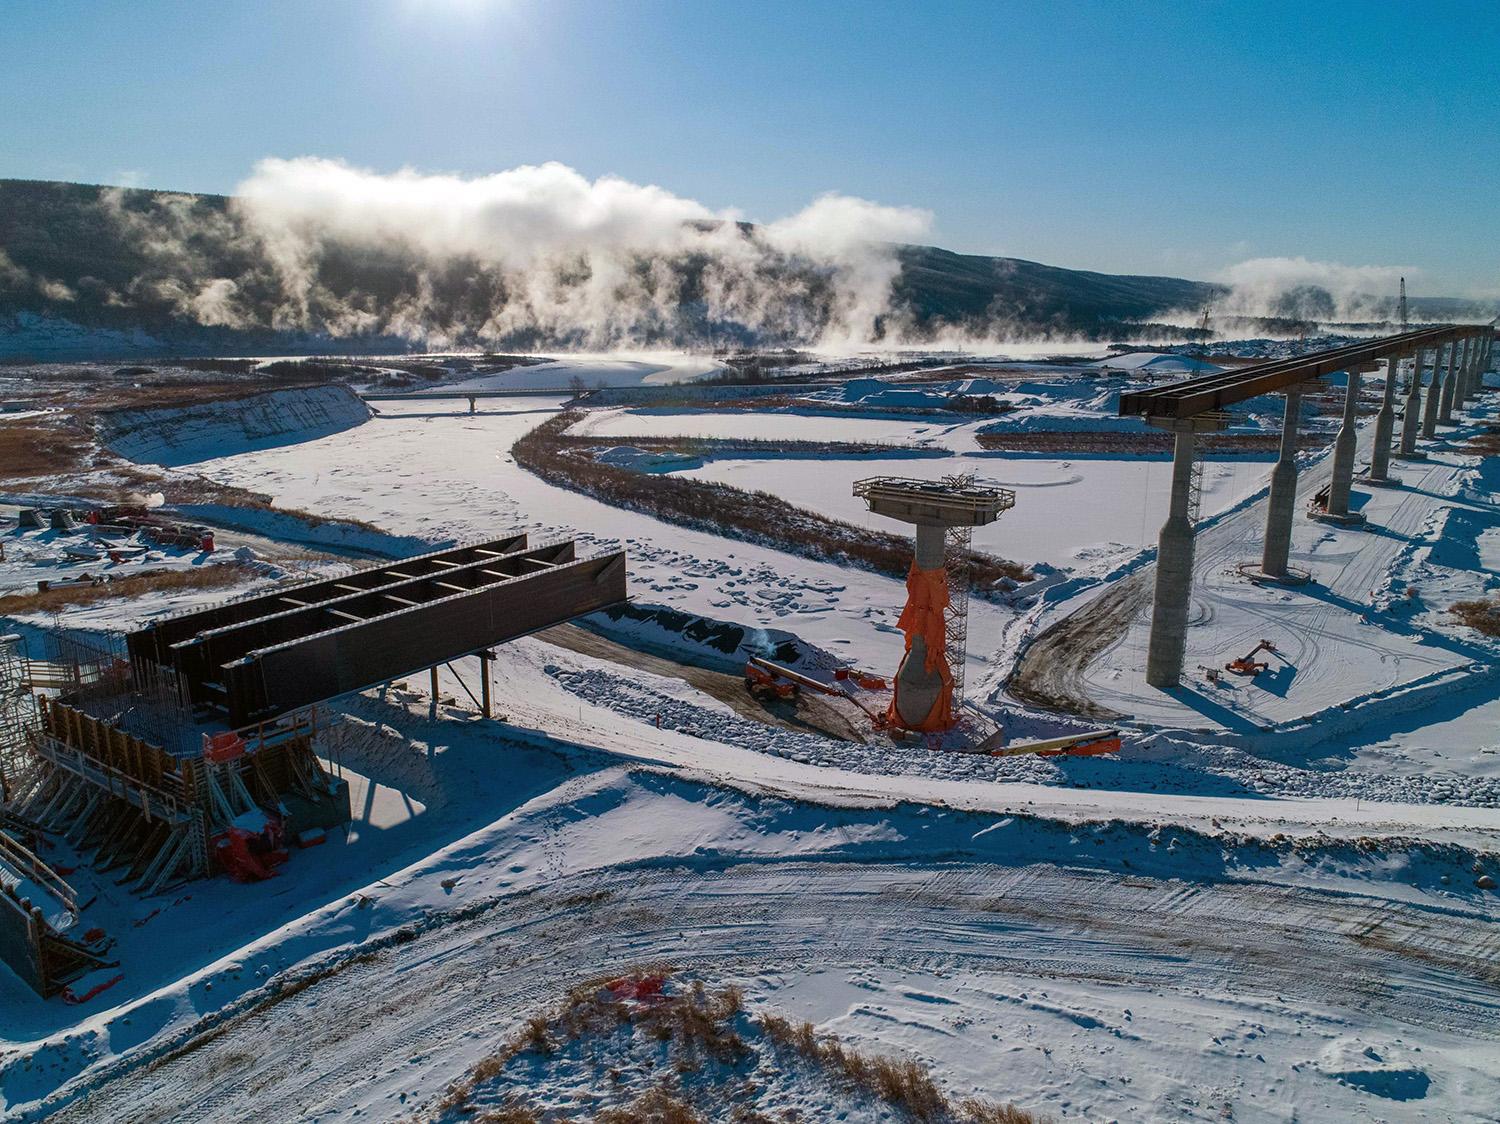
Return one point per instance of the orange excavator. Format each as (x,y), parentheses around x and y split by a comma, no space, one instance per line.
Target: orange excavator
(1248,664)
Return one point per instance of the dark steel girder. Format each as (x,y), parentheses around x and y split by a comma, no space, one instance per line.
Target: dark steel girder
(1213,392)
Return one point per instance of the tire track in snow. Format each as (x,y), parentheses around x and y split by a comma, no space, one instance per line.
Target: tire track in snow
(414,1016)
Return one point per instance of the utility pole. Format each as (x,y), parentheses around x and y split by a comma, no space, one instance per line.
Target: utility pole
(1403,304)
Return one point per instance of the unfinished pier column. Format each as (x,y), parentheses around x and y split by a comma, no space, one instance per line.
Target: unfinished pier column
(928,690)
(1430,406)
(1385,420)
(1281,503)
(1174,571)
(1411,412)
(1449,388)
(1343,452)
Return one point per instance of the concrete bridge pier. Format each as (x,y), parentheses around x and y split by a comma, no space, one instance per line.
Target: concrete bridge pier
(1412,412)
(1449,392)
(1343,455)
(1385,420)
(1465,388)
(1282,501)
(1434,392)
(1174,569)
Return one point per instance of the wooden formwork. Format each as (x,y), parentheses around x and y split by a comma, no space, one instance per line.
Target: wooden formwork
(149,814)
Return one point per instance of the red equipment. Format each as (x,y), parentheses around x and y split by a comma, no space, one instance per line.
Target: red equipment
(1247,664)
(759,681)
(250,856)
(223,747)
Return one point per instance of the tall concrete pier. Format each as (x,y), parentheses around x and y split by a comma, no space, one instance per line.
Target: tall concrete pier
(1385,420)
(1430,406)
(1449,388)
(1282,502)
(1463,390)
(1174,570)
(1343,453)
(1411,415)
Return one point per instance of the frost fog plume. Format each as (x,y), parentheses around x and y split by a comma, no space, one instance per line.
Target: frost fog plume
(1300,289)
(530,254)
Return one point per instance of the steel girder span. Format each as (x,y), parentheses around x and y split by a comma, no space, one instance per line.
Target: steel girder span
(389,624)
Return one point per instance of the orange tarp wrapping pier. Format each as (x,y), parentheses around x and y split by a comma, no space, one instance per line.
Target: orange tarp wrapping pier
(926,602)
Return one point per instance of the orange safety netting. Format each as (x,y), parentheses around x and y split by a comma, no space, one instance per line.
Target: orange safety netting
(926,598)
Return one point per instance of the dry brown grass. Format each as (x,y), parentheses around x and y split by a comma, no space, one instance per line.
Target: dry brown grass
(1486,444)
(29,450)
(1482,616)
(659,1105)
(903,1083)
(700,1025)
(159,581)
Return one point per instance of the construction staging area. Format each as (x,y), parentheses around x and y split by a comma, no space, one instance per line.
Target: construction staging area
(200,748)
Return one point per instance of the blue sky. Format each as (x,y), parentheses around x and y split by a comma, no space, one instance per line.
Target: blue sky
(1142,137)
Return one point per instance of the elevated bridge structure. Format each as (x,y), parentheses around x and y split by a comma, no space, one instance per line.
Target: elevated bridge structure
(1457,356)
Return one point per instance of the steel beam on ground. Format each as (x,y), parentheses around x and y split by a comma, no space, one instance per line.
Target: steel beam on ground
(155,641)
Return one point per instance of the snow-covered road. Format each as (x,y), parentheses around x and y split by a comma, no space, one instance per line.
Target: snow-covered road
(1071,971)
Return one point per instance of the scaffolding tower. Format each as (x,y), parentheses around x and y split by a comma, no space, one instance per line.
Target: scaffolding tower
(18,715)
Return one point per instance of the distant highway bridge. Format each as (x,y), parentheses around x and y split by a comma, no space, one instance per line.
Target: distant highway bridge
(472,396)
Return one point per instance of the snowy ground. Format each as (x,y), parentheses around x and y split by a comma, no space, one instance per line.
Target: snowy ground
(1193,930)
(1096,972)
(1372,622)
(645,369)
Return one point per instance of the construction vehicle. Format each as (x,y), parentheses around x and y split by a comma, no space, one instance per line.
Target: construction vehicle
(1089,743)
(1247,664)
(763,683)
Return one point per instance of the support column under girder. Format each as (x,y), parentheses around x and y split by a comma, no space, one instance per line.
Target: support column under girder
(1412,411)
(1430,406)
(1463,390)
(1449,389)
(486,701)
(1174,572)
(1343,451)
(1282,501)
(1385,420)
